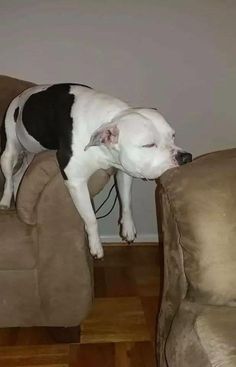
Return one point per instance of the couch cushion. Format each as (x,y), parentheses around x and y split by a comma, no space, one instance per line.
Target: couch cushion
(203,199)
(17,242)
(182,345)
(216,329)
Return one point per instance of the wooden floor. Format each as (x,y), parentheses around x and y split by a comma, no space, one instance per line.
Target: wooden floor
(120,330)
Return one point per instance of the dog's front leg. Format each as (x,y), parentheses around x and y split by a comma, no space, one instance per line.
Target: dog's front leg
(79,192)
(124,183)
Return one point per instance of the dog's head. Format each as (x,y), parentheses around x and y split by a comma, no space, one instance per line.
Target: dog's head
(141,143)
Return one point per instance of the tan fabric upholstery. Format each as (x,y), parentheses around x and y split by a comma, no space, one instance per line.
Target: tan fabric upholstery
(20,254)
(199,237)
(216,329)
(44,168)
(46,271)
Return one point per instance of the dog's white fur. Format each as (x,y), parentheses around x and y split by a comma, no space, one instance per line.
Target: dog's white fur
(106,133)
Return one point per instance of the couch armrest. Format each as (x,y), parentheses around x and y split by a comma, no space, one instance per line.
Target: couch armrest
(175,283)
(41,171)
(65,267)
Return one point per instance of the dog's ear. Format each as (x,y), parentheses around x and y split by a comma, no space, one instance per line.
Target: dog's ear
(107,134)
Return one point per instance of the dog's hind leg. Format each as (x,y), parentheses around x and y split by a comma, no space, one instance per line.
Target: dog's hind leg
(9,159)
(10,155)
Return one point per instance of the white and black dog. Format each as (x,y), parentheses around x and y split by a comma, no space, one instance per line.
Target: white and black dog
(89,130)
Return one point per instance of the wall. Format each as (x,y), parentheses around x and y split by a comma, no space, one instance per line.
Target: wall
(176,55)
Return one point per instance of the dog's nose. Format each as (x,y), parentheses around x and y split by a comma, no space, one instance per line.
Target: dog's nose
(183,158)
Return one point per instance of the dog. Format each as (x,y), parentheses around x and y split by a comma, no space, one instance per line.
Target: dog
(89,130)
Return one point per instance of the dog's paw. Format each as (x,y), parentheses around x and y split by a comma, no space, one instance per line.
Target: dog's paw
(96,250)
(128,232)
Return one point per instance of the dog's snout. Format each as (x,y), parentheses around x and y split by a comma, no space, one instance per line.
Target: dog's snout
(183,158)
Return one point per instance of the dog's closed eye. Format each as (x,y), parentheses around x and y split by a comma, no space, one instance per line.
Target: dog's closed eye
(149,145)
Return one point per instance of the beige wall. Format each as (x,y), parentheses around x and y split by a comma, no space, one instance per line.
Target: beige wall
(177,55)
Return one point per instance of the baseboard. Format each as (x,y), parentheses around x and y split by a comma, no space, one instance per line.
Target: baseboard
(150,237)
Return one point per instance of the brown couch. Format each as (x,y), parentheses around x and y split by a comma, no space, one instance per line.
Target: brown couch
(46,271)
(197,321)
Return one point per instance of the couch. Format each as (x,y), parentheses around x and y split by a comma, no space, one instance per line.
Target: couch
(46,271)
(197,320)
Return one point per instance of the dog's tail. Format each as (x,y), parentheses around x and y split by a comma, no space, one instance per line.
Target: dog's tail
(3,136)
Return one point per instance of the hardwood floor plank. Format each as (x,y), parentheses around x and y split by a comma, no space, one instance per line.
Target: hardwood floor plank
(130,354)
(147,280)
(150,307)
(115,320)
(142,355)
(120,282)
(92,355)
(130,255)
(122,357)
(34,356)
(100,288)
(9,336)
(31,336)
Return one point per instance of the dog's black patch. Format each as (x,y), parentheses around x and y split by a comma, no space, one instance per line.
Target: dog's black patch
(63,158)
(16,113)
(66,84)
(46,117)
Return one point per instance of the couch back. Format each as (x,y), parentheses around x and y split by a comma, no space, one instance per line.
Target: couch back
(202,197)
